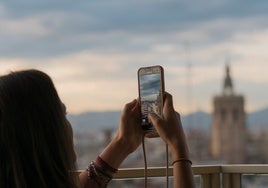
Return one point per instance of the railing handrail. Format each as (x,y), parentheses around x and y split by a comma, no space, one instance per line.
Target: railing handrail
(197,170)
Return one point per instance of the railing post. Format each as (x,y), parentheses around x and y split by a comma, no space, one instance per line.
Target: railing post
(205,181)
(210,180)
(232,180)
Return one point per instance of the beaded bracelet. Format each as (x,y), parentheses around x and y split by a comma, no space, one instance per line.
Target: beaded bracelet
(98,175)
(182,160)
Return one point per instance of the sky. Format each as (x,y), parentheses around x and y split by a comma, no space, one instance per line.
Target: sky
(93,49)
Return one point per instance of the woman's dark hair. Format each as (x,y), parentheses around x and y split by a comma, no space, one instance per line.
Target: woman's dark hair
(35,144)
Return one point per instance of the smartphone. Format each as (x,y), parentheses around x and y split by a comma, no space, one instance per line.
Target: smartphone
(151,94)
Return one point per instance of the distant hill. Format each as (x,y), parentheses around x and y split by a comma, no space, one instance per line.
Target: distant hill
(258,119)
(95,120)
(197,120)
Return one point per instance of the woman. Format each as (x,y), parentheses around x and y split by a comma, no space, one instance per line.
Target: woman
(36,144)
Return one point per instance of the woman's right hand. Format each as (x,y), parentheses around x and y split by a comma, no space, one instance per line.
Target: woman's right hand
(170,129)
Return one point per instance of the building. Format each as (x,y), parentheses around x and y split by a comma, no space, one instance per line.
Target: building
(228,139)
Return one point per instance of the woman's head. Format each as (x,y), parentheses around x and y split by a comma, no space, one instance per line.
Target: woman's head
(36,147)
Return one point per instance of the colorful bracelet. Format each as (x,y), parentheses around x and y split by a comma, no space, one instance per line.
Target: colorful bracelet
(98,175)
(182,160)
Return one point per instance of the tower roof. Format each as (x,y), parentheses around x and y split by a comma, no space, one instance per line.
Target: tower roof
(228,84)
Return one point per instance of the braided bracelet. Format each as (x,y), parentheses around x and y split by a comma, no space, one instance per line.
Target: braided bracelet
(105,166)
(182,160)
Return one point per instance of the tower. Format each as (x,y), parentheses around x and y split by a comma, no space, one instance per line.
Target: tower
(228,139)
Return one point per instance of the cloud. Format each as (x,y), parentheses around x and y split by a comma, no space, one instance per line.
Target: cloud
(51,28)
(93,49)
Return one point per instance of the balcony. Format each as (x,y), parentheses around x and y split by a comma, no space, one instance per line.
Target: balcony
(211,176)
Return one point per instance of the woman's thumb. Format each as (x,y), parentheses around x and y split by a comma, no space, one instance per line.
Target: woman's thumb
(155,119)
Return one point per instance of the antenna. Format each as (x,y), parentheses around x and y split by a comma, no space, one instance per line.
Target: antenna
(188,81)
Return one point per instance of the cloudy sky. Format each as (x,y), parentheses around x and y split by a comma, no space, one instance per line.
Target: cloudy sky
(150,85)
(93,49)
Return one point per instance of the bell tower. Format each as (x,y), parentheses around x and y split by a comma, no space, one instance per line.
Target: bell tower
(228,139)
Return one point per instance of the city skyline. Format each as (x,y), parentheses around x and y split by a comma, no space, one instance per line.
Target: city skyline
(92,50)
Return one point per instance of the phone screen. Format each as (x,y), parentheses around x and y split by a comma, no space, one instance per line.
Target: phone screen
(151,94)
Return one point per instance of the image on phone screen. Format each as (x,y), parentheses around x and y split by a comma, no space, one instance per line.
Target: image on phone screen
(150,97)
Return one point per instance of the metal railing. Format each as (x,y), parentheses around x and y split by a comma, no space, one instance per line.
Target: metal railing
(212,176)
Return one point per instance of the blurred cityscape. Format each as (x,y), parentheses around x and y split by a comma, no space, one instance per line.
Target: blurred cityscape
(228,135)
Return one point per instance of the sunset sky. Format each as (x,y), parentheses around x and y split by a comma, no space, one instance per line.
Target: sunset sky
(93,49)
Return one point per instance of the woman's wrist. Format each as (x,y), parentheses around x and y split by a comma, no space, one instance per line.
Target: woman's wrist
(123,145)
(179,151)
(115,152)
